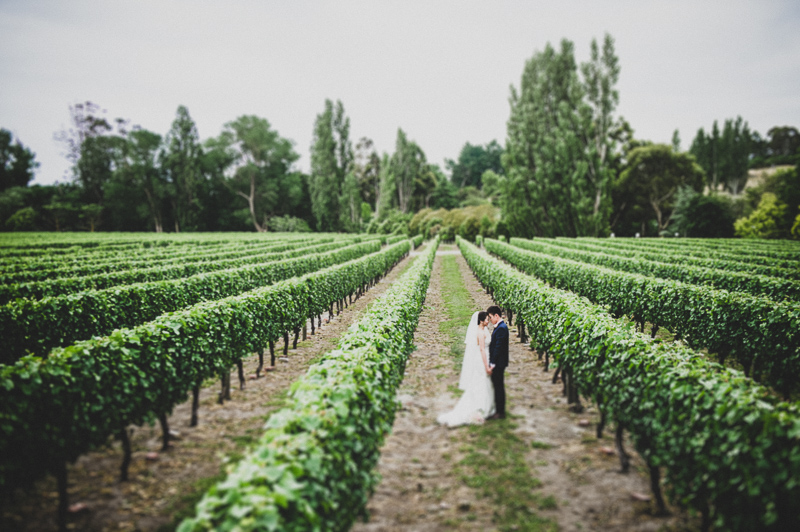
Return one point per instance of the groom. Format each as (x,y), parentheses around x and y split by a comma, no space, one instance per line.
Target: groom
(498,359)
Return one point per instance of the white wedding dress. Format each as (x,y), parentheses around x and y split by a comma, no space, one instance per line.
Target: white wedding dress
(477,402)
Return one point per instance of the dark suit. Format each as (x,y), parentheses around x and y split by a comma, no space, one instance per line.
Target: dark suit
(498,355)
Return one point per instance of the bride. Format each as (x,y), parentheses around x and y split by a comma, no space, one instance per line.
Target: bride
(477,403)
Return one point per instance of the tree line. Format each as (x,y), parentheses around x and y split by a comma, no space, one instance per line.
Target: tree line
(570,166)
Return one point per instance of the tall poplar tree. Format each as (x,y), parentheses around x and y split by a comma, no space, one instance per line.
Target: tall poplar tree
(181,162)
(408,166)
(350,204)
(559,144)
(725,156)
(600,76)
(387,198)
(331,160)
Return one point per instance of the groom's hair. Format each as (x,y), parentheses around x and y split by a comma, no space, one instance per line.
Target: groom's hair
(482,316)
(494,309)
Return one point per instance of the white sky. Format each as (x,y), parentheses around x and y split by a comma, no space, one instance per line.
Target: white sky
(441,70)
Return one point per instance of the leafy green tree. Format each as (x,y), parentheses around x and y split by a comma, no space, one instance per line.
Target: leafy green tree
(100,157)
(94,148)
(600,77)
(424,186)
(367,169)
(652,178)
(366,212)
(350,204)
(473,161)
(700,216)
(559,145)
(181,163)
(11,200)
(445,194)
(141,171)
(783,144)
(785,185)
(469,228)
(261,158)
(705,149)
(408,166)
(332,159)
(387,199)
(17,163)
(87,120)
(735,150)
(676,141)
(218,197)
(765,221)
(725,157)
(63,209)
(22,220)
(90,214)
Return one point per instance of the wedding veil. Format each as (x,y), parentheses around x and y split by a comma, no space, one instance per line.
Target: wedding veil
(472,330)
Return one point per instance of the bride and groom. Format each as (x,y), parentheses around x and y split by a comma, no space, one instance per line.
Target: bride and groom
(482,372)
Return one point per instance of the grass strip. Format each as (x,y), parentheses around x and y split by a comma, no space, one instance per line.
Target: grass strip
(495,467)
(459,306)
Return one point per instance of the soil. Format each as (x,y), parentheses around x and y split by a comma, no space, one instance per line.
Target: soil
(421,489)
(163,486)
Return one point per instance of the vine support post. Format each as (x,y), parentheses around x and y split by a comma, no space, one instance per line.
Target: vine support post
(602,425)
(655,487)
(225,388)
(195,405)
(272,353)
(624,459)
(162,419)
(227,375)
(573,398)
(126,454)
(260,363)
(240,368)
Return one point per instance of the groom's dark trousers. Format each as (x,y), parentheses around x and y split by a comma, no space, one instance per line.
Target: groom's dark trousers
(498,378)
(498,355)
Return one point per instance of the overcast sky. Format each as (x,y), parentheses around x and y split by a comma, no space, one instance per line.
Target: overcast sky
(440,70)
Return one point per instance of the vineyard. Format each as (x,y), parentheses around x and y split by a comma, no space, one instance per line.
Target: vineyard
(689,349)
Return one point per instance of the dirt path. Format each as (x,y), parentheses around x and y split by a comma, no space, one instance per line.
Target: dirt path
(162,490)
(425,467)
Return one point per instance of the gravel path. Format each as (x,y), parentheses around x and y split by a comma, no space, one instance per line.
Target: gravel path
(422,489)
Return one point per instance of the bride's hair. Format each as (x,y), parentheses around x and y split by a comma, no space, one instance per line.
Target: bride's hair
(481,316)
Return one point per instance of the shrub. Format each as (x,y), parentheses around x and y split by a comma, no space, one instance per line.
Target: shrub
(765,220)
